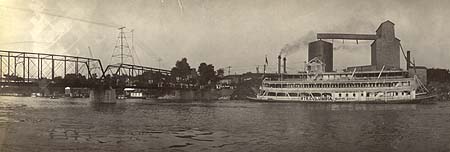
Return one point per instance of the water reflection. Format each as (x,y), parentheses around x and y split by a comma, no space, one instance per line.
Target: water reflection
(354,107)
(3,121)
(384,130)
(227,126)
(372,107)
(108,108)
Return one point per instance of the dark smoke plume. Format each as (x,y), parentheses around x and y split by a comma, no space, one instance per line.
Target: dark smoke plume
(299,44)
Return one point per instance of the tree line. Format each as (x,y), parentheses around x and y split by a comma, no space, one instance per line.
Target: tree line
(204,76)
(438,75)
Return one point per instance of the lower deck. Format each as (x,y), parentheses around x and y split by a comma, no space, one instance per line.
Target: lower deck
(338,96)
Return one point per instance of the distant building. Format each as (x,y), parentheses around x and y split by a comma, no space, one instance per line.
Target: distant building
(76,92)
(228,82)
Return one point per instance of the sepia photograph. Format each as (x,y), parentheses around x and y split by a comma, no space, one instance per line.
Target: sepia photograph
(224,76)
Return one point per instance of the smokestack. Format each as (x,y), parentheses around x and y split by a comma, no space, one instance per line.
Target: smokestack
(279,64)
(284,65)
(408,59)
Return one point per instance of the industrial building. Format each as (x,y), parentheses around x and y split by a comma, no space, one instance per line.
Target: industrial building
(323,50)
(385,49)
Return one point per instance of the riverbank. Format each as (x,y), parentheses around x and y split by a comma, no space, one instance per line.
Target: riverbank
(441,89)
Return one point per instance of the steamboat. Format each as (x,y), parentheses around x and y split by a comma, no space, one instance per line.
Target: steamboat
(381,82)
(395,86)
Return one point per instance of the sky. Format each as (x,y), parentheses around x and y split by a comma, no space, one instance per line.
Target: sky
(236,33)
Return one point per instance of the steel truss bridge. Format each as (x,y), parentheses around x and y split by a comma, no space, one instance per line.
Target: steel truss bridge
(131,70)
(29,68)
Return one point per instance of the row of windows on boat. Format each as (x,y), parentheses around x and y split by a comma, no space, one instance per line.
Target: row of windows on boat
(337,76)
(368,94)
(338,85)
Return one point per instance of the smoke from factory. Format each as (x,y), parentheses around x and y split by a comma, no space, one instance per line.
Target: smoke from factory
(350,45)
(357,24)
(300,44)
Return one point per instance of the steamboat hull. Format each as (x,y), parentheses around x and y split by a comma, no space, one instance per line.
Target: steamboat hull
(419,100)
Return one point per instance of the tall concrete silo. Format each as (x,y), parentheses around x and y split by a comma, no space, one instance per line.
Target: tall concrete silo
(386,48)
(324,51)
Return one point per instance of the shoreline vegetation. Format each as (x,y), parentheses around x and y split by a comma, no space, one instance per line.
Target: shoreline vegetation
(203,83)
(439,83)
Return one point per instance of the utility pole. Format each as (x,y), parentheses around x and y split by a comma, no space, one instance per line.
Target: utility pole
(264,69)
(229,70)
(159,62)
(90,52)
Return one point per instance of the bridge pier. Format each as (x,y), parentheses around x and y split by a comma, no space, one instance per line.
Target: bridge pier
(102,95)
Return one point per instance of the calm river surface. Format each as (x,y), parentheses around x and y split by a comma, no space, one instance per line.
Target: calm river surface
(38,124)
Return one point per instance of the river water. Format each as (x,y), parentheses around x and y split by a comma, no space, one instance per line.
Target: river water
(38,124)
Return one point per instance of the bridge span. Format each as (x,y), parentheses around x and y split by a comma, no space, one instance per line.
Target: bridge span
(44,70)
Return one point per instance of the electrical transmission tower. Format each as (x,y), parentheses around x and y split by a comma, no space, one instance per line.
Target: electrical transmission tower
(122,50)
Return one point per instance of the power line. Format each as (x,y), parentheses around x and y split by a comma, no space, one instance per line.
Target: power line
(132,47)
(21,42)
(62,16)
(146,50)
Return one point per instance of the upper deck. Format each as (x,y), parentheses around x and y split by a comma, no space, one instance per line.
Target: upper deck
(338,76)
